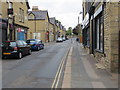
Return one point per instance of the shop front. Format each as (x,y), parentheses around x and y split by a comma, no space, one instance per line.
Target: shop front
(86,31)
(21,34)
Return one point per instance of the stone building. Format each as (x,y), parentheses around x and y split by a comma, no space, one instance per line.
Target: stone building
(103,33)
(16,15)
(38,21)
(53,28)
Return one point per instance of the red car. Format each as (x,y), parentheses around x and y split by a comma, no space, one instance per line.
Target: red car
(15,49)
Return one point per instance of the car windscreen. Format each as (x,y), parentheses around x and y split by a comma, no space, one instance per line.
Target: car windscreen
(11,44)
(32,41)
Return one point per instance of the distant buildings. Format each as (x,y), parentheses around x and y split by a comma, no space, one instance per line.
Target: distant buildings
(17,23)
(41,26)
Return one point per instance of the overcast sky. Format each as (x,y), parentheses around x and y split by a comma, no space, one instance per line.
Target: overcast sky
(66,11)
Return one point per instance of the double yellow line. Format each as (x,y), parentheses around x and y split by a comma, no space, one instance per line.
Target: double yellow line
(59,71)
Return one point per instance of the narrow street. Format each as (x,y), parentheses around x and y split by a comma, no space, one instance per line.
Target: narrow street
(35,71)
(44,69)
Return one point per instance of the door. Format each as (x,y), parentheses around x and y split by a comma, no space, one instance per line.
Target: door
(21,46)
(20,36)
(26,47)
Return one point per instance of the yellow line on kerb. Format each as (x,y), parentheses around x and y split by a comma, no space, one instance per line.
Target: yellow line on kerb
(58,74)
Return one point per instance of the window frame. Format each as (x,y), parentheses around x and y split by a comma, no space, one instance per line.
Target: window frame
(99,46)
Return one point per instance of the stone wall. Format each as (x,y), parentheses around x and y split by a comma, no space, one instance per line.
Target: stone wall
(111,34)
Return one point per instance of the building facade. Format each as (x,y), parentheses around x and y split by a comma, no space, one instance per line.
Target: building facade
(16,14)
(102,36)
(38,24)
(52,29)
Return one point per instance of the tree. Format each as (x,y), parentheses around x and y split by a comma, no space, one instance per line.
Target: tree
(69,31)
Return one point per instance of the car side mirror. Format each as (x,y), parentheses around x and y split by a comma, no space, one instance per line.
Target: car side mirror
(28,41)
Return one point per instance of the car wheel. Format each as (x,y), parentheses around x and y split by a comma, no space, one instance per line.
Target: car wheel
(38,48)
(29,53)
(19,55)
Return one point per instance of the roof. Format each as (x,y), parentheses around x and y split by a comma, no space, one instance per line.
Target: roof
(52,20)
(40,14)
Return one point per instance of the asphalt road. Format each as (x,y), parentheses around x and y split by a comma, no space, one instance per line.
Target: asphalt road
(34,71)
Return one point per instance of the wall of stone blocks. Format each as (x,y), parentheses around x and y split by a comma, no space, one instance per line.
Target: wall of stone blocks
(111,38)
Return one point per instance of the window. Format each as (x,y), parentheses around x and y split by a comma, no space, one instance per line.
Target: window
(20,43)
(10,5)
(88,37)
(21,15)
(25,44)
(99,33)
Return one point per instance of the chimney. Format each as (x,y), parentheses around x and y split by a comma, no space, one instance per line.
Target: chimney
(35,8)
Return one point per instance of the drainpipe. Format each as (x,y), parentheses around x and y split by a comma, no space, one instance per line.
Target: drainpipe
(8,28)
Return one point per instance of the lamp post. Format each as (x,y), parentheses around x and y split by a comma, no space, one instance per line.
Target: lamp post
(79,28)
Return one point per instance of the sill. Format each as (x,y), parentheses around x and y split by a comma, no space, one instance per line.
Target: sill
(100,51)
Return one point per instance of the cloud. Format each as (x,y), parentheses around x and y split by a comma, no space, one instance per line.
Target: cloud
(66,11)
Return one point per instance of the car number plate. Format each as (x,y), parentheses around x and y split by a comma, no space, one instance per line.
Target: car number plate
(6,53)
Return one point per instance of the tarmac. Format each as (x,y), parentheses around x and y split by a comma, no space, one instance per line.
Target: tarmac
(81,71)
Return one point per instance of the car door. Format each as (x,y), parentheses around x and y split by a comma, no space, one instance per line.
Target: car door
(26,47)
(21,47)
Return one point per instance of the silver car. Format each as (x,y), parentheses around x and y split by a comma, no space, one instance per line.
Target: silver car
(59,39)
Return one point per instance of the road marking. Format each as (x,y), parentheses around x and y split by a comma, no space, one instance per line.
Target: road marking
(58,74)
(67,75)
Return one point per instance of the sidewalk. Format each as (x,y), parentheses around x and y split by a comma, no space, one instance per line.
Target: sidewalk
(81,71)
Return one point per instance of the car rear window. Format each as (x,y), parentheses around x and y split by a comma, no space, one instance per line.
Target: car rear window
(12,44)
(31,41)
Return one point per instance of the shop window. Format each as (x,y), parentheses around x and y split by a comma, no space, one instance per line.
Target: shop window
(88,37)
(99,33)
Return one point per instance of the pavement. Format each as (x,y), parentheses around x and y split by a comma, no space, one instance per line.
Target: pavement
(81,71)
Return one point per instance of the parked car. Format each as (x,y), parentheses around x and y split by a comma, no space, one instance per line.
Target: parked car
(59,39)
(35,44)
(66,37)
(15,49)
(63,38)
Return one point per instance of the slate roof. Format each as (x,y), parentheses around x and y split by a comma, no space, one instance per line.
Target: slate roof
(52,20)
(40,14)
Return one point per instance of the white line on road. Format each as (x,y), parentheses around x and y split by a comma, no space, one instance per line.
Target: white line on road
(58,74)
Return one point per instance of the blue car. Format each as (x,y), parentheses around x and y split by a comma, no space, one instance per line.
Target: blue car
(35,44)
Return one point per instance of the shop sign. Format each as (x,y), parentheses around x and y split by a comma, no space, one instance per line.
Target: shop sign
(86,20)
(19,29)
(100,9)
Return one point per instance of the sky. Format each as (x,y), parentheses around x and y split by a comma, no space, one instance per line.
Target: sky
(66,11)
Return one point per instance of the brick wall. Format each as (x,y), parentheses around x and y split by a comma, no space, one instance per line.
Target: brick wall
(111,34)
